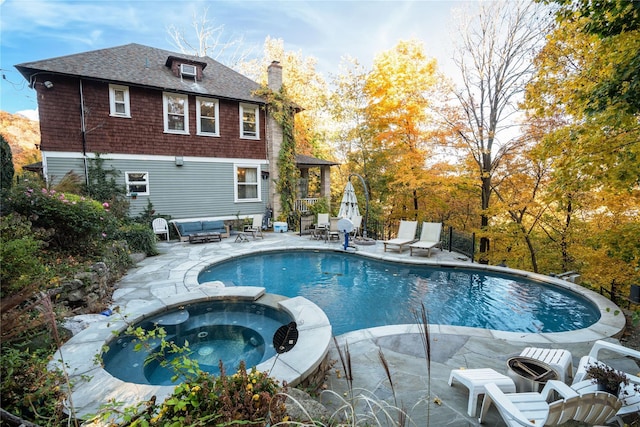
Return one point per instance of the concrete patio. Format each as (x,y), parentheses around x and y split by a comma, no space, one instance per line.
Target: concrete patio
(175,271)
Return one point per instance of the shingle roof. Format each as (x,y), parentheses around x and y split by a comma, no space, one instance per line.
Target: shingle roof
(138,65)
(302,160)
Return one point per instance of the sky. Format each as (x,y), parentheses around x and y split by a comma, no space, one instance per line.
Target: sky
(32,30)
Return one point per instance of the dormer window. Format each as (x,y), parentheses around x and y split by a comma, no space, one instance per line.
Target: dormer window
(187,70)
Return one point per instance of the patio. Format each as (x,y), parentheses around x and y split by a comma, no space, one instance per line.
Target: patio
(175,271)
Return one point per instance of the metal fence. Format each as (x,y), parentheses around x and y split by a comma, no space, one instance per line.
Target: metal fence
(452,240)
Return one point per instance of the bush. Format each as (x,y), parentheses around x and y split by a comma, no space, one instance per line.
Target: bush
(20,251)
(77,222)
(28,389)
(252,398)
(139,237)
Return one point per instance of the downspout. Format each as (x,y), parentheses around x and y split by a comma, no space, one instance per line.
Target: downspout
(84,137)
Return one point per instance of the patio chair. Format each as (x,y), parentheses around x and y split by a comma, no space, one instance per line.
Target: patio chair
(631,396)
(429,238)
(558,359)
(321,226)
(406,235)
(592,358)
(256,227)
(357,224)
(533,408)
(161,227)
(333,232)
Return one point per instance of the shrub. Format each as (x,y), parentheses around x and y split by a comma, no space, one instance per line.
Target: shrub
(248,398)
(20,251)
(252,397)
(77,222)
(28,389)
(139,237)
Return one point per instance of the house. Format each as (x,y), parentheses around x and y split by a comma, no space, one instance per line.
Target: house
(185,132)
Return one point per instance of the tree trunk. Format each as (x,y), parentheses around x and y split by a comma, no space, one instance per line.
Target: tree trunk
(484,218)
(564,243)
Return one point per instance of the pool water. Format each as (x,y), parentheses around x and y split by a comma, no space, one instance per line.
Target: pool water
(357,292)
(227,331)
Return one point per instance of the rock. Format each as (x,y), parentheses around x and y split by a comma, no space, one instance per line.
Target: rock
(75,296)
(78,323)
(137,257)
(303,408)
(100,268)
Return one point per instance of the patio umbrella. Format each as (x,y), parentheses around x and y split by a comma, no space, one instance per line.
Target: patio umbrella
(349,204)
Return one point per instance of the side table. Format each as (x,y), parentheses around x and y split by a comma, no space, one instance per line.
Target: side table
(475,380)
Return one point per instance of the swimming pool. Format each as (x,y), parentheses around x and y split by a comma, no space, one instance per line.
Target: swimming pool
(357,292)
(227,331)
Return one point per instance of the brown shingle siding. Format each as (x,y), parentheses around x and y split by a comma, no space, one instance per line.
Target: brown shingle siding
(143,133)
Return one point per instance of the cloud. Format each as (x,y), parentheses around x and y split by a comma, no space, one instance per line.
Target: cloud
(29,114)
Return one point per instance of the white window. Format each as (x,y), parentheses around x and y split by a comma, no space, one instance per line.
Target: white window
(176,113)
(137,183)
(119,101)
(249,121)
(187,70)
(247,184)
(207,116)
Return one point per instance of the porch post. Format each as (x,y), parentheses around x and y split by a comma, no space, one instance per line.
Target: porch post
(325,183)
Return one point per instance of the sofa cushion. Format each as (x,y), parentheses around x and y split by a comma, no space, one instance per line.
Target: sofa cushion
(187,228)
(213,226)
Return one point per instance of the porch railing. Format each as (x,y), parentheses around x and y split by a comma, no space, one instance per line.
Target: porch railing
(304,205)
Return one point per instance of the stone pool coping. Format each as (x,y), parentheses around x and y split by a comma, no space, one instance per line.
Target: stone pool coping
(171,279)
(611,323)
(93,383)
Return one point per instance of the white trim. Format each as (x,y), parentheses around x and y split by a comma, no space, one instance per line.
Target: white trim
(145,182)
(112,101)
(258,182)
(216,117)
(185,115)
(149,157)
(256,108)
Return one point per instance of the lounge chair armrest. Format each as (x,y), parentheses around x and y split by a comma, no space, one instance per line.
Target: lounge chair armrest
(616,348)
(504,405)
(561,388)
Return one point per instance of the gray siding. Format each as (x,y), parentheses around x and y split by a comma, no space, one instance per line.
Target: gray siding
(196,189)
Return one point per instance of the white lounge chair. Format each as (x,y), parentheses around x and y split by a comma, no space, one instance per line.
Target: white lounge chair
(533,408)
(161,227)
(406,235)
(256,227)
(429,238)
(558,359)
(592,358)
(631,397)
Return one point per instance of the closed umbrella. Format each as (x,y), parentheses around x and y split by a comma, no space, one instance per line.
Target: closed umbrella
(349,204)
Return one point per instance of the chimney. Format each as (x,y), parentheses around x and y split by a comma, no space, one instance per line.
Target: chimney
(274,139)
(274,76)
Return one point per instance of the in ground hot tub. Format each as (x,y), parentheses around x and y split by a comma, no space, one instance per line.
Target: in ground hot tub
(214,331)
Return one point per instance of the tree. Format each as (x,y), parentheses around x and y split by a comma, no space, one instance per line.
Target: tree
(400,90)
(305,87)
(617,24)
(593,151)
(494,57)
(6,165)
(209,40)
